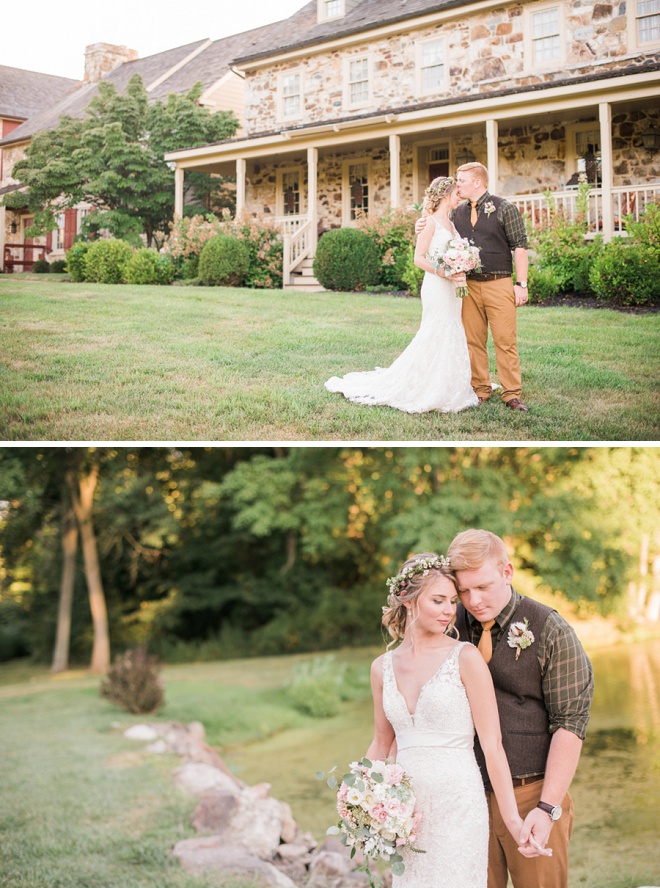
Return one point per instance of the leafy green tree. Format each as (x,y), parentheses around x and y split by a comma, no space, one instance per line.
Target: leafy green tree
(114,160)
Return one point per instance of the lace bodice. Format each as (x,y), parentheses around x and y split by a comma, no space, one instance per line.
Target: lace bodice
(437,752)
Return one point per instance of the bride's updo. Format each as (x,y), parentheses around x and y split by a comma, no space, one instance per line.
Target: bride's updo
(406,587)
(437,191)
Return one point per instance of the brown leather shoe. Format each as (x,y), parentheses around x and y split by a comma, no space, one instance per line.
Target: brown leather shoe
(517,404)
(482,401)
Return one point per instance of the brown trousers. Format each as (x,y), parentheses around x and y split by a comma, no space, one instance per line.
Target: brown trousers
(493,302)
(503,854)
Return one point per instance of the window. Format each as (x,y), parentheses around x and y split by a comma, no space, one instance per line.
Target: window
(290,93)
(546,36)
(291,193)
(358,81)
(357,182)
(332,8)
(584,154)
(57,242)
(648,21)
(431,62)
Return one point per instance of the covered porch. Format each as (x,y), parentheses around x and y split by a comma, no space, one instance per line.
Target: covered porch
(319,177)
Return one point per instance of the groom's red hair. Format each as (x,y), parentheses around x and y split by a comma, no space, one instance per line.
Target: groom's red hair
(471,549)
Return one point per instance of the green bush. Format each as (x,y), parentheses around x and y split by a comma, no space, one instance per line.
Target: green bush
(41,266)
(316,687)
(393,233)
(58,266)
(224,261)
(106,261)
(190,268)
(626,273)
(263,239)
(149,267)
(647,230)
(75,260)
(543,284)
(413,275)
(346,259)
(133,683)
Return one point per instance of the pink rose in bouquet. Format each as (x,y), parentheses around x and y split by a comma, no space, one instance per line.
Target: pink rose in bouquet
(458,257)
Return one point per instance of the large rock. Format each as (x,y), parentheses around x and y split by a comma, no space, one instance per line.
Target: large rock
(197,777)
(211,853)
(243,820)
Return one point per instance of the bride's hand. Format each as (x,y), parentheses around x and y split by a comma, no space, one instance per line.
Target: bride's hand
(458,279)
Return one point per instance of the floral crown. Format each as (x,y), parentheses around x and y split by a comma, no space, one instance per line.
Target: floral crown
(398,583)
(441,189)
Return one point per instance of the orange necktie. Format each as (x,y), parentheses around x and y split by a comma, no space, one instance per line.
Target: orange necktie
(473,215)
(485,645)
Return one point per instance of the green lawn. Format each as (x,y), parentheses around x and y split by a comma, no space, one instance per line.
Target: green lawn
(82,362)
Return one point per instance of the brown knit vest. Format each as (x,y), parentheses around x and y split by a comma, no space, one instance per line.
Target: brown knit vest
(487,234)
(518,689)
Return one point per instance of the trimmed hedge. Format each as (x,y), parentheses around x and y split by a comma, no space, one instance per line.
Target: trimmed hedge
(224,261)
(75,260)
(148,267)
(347,259)
(106,261)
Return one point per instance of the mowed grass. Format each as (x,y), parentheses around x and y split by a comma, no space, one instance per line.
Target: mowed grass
(82,362)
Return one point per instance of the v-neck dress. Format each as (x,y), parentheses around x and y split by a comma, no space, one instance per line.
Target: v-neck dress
(436,748)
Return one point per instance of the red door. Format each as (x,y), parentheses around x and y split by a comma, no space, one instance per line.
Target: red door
(438,168)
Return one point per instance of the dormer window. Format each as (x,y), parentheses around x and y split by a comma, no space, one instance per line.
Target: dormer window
(334,9)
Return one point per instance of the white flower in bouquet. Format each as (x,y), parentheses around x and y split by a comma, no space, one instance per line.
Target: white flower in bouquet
(458,257)
(376,804)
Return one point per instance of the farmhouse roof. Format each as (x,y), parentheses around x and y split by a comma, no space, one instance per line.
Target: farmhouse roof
(24,93)
(303,28)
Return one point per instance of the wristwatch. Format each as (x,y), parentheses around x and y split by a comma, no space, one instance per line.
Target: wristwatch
(553,811)
(522,284)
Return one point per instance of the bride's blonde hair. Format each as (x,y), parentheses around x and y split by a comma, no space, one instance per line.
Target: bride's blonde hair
(406,587)
(437,191)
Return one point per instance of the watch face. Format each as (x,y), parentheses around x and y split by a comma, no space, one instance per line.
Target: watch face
(556,812)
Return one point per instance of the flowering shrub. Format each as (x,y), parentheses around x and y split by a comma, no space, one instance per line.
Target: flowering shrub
(376,804)
(260,235)
(393,233)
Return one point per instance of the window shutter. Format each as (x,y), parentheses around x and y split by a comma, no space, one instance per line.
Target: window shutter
(70,226)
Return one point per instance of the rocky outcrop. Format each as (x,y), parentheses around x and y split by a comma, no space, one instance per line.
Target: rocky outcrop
(244,831)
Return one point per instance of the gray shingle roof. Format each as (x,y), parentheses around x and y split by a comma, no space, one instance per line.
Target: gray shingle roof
(24,93)
(302,28)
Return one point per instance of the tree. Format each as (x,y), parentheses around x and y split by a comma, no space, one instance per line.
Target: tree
(113,159)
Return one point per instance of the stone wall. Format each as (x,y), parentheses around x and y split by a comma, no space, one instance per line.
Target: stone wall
(485,52)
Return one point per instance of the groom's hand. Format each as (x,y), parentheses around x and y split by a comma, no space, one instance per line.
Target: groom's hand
(520,294)
(535,834)
(420,224)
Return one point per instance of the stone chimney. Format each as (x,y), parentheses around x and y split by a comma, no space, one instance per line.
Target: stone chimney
(102,58)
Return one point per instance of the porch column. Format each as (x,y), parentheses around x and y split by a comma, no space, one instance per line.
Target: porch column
(312,191)
(395,170)
(607,173)
(241,168)
(492,163)
(178,192)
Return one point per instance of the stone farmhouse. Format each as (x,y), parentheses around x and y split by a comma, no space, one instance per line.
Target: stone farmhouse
(31,103)
(354,105)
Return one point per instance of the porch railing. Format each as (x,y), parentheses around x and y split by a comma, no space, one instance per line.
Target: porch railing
(296,247)
(627,200)
(289,224)
(27,252)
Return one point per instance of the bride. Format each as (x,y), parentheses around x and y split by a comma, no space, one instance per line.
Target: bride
(433,373)
(429,694)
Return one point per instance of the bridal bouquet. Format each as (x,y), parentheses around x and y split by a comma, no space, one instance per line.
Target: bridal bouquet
(459,256)
(376,804)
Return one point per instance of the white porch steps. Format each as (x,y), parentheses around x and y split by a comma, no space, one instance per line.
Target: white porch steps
(303,280)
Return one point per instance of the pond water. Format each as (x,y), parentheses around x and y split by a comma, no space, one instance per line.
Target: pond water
(616,843)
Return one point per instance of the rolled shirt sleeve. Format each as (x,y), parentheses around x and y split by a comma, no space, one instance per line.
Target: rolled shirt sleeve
(567,675)
(512,222)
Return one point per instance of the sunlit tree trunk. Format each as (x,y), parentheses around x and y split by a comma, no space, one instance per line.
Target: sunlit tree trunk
(69,548)
(82,495)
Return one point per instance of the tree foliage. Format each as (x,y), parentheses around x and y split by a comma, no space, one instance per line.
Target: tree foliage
(113,159)
(264,550)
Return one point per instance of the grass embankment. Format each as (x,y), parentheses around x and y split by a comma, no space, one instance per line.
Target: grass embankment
(83,362)
(83,806)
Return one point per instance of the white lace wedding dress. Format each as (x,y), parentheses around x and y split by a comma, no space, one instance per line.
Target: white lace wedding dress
(435,747)
(433,373)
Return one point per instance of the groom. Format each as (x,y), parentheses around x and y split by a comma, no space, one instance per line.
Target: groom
(498,229)
(544,686)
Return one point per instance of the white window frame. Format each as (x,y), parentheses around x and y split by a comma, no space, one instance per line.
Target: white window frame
(572,157)
(420,68)
(346,188)
(531,65)
(348,61)
(279,197)
(281,80)
(57,242)
(633,34)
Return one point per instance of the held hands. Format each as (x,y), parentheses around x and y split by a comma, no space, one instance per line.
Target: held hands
(535,834)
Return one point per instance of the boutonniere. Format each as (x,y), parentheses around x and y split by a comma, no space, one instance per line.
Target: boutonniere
(489,207)
(520,636)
